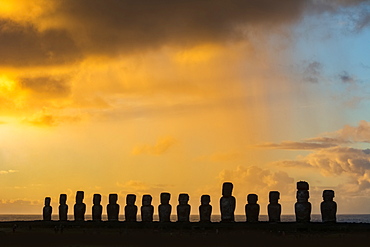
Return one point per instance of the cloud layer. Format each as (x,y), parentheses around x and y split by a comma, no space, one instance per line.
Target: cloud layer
(159,148)
(69,30)
(333,156)
(346,136)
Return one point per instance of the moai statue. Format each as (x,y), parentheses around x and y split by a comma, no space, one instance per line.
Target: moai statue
(47,210)
(205,210)
(183,209)
(147,209)
(227,203)
(328,207)
(165,208)
(97,209)
(63,207)
(302,206)
(113,208)
(130,208)
(79,207)
(252,209)
(274,208)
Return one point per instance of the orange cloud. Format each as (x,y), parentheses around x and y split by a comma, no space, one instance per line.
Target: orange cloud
(2,172)
(345,136)
(338,160)
(44,119)
(291,145)
(350,167)
(159,148)
(253,179)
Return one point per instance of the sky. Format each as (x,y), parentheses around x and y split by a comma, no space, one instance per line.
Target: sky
(146,97)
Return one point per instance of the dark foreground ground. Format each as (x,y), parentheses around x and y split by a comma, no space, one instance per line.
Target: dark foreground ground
(92,234)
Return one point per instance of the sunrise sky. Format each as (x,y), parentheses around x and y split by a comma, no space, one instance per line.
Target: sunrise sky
(136,96)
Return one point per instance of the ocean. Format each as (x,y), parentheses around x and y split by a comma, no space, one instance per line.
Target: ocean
(349,218)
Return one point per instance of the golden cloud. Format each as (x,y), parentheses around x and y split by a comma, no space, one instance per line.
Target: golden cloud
(2,172)
(345,136)
(159,148)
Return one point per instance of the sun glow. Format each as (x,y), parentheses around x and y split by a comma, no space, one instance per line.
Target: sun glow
(6,85)
(22,10)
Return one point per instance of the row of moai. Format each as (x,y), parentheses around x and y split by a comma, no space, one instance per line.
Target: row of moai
(303,207)
(227,207)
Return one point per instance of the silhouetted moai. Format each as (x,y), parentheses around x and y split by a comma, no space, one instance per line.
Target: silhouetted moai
(79,207)
(113,208)
(47,210)
(227,203)
(328,207)
(97,209)
(205,210)
(183,209)
(164,209)
(274,208)
(63,207)
(302,206)
(130,208)
(147,209)
(252,209)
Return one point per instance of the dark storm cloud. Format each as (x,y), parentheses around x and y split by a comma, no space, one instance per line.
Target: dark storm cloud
(24,45)
(127,24)
(312,72)
(363,22)
(50,86)
(141,24)
(110,27)
(346,78)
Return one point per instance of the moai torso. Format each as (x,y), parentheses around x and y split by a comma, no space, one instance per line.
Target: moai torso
(302,206)
(97,209)
(183,209)
(227,203)
(79,207)
(63,207)
(252,209)
(47,210)
(274,208)
(113,208)
(147,209)
(205,210)
(130,208)
(328,207)
(165,208)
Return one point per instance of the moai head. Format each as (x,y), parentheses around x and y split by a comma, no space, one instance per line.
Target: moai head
(183,199)
(302,185)
(97,199)
(227,189)
(130,199)
(62,199)
(252,198)
(165,198)
(328,195)
(274,196)
(303,195)
(205,199)
(47,201)
(147,200)
(79,197)
(113,198)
